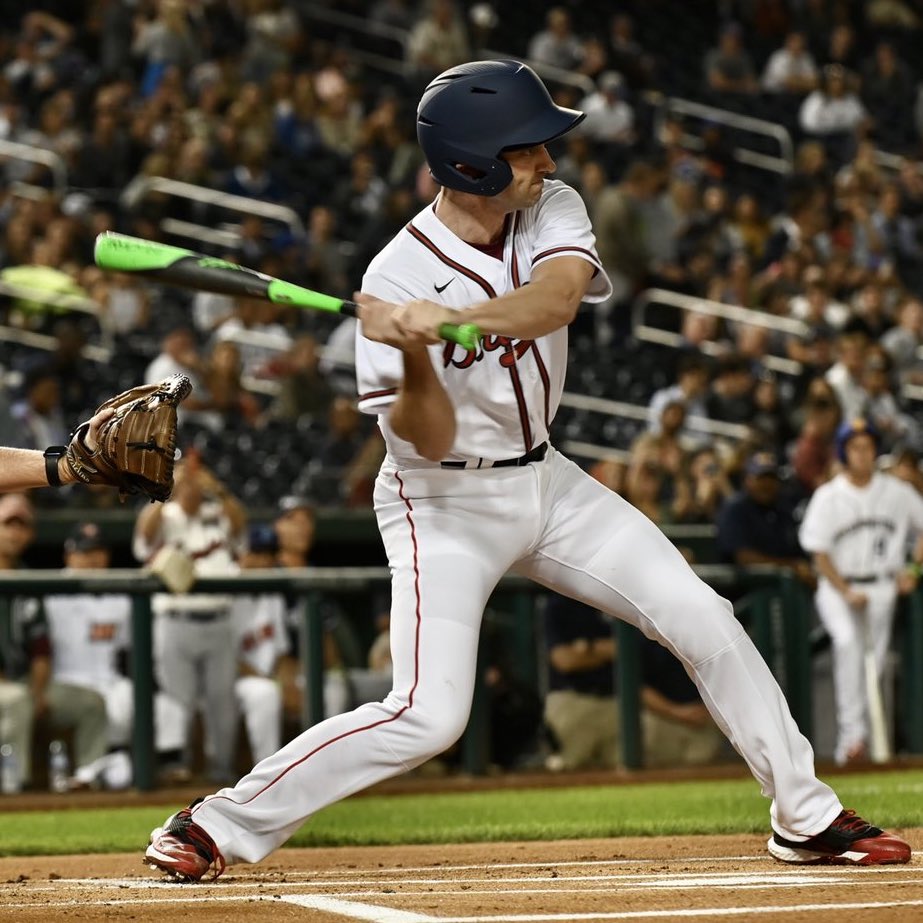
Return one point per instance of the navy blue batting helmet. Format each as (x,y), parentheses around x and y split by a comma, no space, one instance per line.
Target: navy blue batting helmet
(470,113)
(851,428)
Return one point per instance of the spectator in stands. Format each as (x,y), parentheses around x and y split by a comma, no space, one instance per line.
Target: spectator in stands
(881,407)
(816,306)
(887,92)
(804,222)
(179,354)
(676,728)
(438,41)
(580,707)
(90,639)
(626,55)
(812,454)
(845,375)
(224,387)
(840,47)
(273,36)
(748,227)
(344,441)
(728,67)
(667,445)
(125,304)
(757,525)
(703,489)
(903,341)
(163,42)
(609,118)
(556,45)
(39,412)
(359,197)
(791,69)
(256,330)
(650,488)
(730,394)
(303,390)
(690,390)
(26,659)
(834,114)
(896,233)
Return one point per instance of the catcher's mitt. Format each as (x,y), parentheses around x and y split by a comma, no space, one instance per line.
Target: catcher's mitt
(136,445)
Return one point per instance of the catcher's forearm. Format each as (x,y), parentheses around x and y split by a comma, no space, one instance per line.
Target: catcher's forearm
(23,469)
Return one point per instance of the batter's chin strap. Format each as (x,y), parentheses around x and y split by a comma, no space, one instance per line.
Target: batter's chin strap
(52,455)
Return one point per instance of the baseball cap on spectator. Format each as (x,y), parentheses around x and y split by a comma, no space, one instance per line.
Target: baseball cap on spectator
(86,536)
(294,502)
(262,538)
(761,463)
(16,506)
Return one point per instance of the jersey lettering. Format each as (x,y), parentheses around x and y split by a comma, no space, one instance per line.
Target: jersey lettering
(102,632)
(513,351)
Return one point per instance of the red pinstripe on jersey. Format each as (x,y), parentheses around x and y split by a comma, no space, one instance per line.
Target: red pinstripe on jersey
(384,392)
(540,256)
(374,724)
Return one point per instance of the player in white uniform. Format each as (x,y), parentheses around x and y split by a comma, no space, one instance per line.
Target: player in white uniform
(857,527)
(88,632)
(261,639)
(470,489)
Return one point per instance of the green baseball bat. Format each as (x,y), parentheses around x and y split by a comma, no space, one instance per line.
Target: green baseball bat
(176,266)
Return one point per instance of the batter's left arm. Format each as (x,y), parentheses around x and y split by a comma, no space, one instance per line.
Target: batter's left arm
(549,302)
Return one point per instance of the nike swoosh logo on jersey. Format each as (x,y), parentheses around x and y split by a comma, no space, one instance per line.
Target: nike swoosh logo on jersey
(441,288)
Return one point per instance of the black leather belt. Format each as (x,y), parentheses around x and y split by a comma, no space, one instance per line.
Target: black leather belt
(195,616)
(536,454)
(869,578)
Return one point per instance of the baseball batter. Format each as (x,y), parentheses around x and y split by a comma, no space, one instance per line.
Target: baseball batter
(857,527)
(471,488)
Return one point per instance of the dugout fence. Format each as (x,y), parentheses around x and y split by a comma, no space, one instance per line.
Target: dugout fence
(773,605)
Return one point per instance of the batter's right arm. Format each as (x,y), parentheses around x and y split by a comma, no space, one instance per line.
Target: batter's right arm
(826,569)
(422,412)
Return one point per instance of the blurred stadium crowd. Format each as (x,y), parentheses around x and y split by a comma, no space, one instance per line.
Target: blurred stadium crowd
(752,169)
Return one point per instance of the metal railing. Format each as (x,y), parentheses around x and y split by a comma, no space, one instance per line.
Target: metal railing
(54,163)
(100,354)
(623,409)
(142,186)
(782,165)
(776,610)
(735,313)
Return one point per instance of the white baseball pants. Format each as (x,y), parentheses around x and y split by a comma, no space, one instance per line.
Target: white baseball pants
(259,700)
(450,535)
(846,627)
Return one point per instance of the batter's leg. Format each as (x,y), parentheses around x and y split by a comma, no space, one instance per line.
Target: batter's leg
(599,549)
(445,564)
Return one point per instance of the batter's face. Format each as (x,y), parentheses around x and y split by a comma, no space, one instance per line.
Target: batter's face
(530,166)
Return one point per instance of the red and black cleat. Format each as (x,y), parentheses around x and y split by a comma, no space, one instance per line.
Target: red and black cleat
(183,850)
(849,840)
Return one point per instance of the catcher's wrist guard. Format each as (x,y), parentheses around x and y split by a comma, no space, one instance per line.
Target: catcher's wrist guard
(52,455)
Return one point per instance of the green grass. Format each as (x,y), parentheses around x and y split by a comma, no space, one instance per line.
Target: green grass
(728,806)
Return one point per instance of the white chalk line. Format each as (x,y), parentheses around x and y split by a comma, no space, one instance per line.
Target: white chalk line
(378,914)
(823,875)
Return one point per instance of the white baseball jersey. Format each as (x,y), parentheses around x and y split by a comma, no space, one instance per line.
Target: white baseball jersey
(864,530)
(507,392)
(259,630)
(87,631)
(207,538)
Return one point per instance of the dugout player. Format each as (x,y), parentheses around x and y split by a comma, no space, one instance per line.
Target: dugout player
(857,526)
(470,488)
